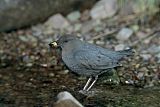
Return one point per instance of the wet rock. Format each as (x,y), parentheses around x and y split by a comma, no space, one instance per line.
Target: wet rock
(57,21)
(20,13)
(104,9)
(112,78)
(65,99)
(74,16)
(124,34)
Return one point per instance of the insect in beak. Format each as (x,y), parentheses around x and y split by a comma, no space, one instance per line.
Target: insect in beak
(53,44)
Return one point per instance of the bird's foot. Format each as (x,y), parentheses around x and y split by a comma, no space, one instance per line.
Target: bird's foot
(87,87)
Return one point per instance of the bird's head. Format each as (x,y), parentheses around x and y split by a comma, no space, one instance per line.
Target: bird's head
(63,40)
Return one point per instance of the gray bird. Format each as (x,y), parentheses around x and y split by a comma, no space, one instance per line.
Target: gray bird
(88,59)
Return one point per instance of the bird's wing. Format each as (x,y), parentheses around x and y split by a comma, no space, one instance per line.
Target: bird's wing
(94,59)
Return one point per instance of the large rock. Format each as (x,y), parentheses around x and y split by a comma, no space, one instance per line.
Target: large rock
(65,99)
(20,13)
(104,9)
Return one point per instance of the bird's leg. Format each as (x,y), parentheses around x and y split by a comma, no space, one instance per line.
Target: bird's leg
(92,83)
(89,80)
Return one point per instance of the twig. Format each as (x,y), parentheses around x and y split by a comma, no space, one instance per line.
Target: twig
(104,34)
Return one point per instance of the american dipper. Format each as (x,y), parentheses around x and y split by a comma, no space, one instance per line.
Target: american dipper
(88,59)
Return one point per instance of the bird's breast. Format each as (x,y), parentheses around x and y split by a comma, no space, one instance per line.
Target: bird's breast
(69,60)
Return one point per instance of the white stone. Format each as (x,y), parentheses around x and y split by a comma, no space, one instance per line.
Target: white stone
(104,9)
(65,99)
(124,34)
(57,21)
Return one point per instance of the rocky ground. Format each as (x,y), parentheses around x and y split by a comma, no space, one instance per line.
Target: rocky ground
(31,75)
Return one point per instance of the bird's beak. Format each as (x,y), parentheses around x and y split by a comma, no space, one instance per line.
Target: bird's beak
(53,44)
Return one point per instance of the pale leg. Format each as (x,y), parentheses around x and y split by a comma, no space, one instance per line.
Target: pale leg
(89,80)
(92,83)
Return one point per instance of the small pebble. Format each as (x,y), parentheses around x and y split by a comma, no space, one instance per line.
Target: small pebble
(51,74)
(146,56)
(57,21)
(140,75)
(29,64)
(100,42)
(74,16)
(124,34)
(23,38)
(119,47)
(135,28)
(129,81)
(64,72)
(44,65)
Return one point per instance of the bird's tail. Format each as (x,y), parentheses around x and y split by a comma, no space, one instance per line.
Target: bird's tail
(127,52)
